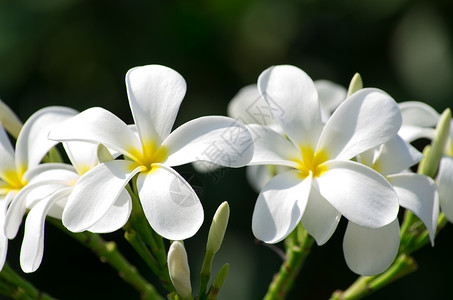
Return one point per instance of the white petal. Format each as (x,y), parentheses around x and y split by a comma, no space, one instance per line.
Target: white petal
(83,156)
(9,121)
(280,206)
(155,93)
(259,175)
(170,204)
(33,244)
(95,193)
(359,193)
(366,119)
(116,216)
(271,148)
(97,125)
(370,251)
(6,155)
(445,182)
(291,95)
(418,114)
(4,202)
(249,107)
(32,143)
(330,95)
(320,218)
(60,172)
(26,198)
(411,133)
(418,193)
(396,156)
(221,140)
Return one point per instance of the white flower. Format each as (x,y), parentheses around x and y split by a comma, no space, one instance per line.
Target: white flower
(419,120)
(249,107)
(323,183)
(20,169)
(169,202)
(418,193)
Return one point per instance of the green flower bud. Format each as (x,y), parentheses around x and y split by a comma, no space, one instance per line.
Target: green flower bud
(218,227)
(103,153)
(178,267)
(9,120)
(433,157)
(355,84)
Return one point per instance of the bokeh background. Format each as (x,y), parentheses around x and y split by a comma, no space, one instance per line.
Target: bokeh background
(76,52)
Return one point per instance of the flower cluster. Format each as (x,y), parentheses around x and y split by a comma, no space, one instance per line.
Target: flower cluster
(315,152)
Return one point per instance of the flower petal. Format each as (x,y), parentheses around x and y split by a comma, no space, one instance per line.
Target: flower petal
(249,107)
(271,148)
(370,251)
(418,114)
(259,175)
(359,193)
(82,155)
(6,155)
(26,198)
(396,156)
(95,193)
(280,206)
(32,143)
(155,93)
(411,133)
(117,215)
(4,202)
(170,204)
(445,182)
(220,140)
(9,120)
(330,96)
(63,173)
(320,218)
(33,244)
(97,125)
(418,193)
(366,119)
(291,95)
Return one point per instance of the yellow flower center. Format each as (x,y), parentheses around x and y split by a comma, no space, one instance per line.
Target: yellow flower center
(311,162)
(14,181)
(151,154)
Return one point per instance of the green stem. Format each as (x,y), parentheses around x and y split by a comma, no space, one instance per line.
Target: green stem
(365,286)
(17,287)
(296,253)
(205,274)
(150,245)
(108,252)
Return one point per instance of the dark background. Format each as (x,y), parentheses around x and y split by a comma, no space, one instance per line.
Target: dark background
(76,53)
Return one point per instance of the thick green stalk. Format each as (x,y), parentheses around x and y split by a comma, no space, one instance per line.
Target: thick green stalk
(108,252)
(296,253)
(17,287)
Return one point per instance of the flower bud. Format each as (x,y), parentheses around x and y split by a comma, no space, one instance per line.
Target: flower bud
(433,157)
(9,120)
(218,227)
(178,267)
(103,153)
(355,84)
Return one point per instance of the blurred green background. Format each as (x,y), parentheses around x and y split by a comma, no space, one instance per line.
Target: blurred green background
(75,53)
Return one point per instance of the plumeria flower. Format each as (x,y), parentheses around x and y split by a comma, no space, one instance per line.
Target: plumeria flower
(419,120)
(249,107)
(169,202)
(323,183)
(55,182)
(19,167)
(416,192)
